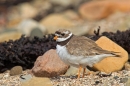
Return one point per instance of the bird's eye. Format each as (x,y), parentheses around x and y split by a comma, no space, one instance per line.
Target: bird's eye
(63,34)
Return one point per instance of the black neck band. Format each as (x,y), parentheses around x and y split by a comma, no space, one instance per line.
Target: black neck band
(64,42)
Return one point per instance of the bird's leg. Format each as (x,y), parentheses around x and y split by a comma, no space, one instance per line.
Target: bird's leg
(80,67)
(84,69)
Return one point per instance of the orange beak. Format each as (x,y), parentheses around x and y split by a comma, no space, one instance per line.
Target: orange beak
(55,38)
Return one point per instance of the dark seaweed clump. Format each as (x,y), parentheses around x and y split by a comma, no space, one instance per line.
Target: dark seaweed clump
(122,38)
(24,51)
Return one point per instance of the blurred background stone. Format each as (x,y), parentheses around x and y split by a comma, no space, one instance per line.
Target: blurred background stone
(10,36)
(56,20)
(116,21)
(26,10)
(27,25)
(36,32)
(96,10)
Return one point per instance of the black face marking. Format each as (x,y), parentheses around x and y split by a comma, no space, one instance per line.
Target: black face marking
(63,34)
(57,32)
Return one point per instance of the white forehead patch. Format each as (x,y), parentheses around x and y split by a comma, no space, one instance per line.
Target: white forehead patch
(57,34)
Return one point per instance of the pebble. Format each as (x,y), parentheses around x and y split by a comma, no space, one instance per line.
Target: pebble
(27,25)
(71,71)
(16,70)
(115,77)
(127,66)
(36,32)
(1,75)
(37,81)
(123,80)
(25,78)
(128,82)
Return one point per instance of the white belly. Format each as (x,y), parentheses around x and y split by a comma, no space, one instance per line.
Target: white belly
(77,60)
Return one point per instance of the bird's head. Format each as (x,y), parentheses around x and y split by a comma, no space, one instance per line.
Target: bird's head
(62,35)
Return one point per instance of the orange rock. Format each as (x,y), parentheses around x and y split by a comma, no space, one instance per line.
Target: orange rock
(95,10)
(10,35)
(111,64)
(56,20)
(49,65)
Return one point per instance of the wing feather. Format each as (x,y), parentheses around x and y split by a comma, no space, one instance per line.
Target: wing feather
(83,46)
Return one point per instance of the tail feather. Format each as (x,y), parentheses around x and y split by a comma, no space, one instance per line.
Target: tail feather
(115,54)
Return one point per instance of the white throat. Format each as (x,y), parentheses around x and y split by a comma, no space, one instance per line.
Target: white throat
(63,39)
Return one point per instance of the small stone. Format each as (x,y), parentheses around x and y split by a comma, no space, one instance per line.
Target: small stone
(127,66)
(27,25)
(25,78)
(71,71)
(97,82)
(16,70)
(74,71)
(104,74)
(72,15)
(37,81)
(49,65)
(111,64)
(1,76)
(95,10)
(56,20)
(64,3)
(26,10)
(115,77)
(36,32)
(123,80)
(105,83)
(8,30)
(7,71)
(13,35)
(6,75)
(128,82)
(12,23)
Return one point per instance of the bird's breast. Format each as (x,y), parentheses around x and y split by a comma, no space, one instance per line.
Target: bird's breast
(66,57)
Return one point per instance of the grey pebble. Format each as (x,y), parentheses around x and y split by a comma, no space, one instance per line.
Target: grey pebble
(115,77)
(25,78)
(123,80)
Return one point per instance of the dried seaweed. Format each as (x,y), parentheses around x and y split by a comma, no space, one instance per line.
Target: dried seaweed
(122,38)
(24,51)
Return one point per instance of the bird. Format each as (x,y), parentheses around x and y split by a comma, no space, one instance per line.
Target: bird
(79,51)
